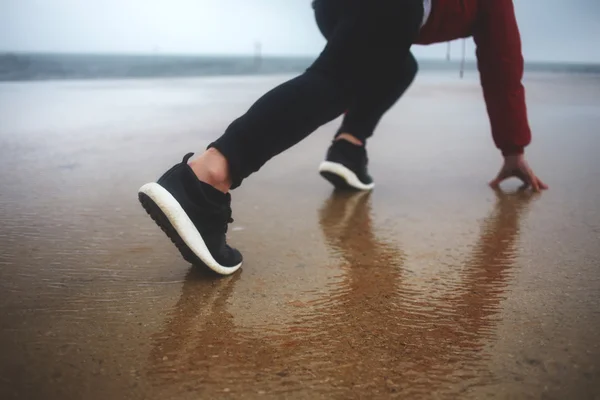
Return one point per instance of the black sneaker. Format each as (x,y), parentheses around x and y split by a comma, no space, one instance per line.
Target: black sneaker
(194,215)
(346,166)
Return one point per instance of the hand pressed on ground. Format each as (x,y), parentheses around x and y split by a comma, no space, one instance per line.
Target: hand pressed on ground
(515,166)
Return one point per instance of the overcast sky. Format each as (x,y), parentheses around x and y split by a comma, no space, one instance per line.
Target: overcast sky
(552,30)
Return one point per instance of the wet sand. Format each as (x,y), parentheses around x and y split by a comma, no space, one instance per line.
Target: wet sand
(433,286)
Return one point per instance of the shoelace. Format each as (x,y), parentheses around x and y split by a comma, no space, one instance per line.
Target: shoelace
(225,214)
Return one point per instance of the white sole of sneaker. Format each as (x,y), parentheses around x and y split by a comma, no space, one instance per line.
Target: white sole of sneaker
(184,226)
(346,174)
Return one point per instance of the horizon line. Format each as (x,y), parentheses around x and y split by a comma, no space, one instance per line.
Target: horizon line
(263,55)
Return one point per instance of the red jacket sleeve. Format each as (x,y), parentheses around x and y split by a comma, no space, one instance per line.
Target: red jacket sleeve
(501,64)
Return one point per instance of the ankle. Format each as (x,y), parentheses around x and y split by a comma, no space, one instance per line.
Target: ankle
(212,168)
(350,138)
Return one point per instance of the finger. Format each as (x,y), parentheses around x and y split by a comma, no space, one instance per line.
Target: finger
(523,176)
(494,184)
(541,184)
(535,182)
(527,176)
(502,175)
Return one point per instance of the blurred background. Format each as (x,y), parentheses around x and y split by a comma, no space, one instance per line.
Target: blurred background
(63,39)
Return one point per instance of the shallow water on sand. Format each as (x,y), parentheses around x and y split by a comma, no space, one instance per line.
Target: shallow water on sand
(432,286)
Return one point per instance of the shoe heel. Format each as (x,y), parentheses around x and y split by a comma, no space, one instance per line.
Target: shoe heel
(163,223)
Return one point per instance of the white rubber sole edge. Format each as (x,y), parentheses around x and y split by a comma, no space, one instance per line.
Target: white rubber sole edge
(184,226)
(346,174)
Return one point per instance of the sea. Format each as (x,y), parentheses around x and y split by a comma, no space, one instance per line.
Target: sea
(40,67)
